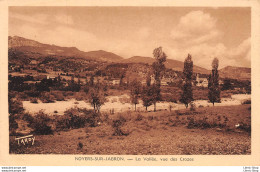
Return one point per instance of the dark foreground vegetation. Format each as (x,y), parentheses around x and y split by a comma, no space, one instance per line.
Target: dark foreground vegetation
(204,130)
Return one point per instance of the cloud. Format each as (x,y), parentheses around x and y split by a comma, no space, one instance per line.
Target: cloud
(241,53)
(197,33)
(194,28)
(204,53)
(199,21)
(243,49)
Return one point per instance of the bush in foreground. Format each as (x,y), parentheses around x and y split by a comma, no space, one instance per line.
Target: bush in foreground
(40,124)
(117,124)
(77,118)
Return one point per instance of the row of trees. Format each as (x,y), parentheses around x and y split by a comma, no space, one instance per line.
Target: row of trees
(151,93)
(213,82)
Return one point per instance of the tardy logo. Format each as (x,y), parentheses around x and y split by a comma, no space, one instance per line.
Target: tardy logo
(25,139)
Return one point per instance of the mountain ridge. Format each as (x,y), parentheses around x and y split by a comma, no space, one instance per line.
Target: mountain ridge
(36,49)
(235,72)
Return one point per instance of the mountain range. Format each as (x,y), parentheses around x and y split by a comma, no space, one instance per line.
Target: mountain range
(36,49)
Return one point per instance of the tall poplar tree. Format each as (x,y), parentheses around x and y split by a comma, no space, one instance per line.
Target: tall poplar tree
(147,94)
(135,92)
(158,67)
(213,83)
(187,96)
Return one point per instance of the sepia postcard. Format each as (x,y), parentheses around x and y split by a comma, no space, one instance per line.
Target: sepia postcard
(130,83)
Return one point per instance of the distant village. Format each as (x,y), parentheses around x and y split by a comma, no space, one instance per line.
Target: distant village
(39,72)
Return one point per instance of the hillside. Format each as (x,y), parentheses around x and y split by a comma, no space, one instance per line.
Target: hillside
(103,55)
(241,73)
(170,63)
(35,49)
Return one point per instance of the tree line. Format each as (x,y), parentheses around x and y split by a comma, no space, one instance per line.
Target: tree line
(151,93)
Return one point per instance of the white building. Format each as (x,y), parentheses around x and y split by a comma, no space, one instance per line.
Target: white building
(202,82)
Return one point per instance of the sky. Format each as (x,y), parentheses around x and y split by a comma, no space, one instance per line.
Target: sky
(205,33)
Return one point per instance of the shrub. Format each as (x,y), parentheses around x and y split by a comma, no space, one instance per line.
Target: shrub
(68,94)
(80,145)
(117,124)
(246,102)
(58,95)
(33,93)
(105,117)
(85,89)
(34,100)
(169,98)
(204,123)
(201,123)
(79,96)
(12,124)
(245,127)
(28,117)
(23,96)
(47,98)
(139,117)
(62,123)
(77,118)
(178,112)
(15,106)
(40,124)
(150,118)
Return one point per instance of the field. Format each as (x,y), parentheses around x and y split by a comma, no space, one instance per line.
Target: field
(215,130)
